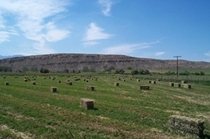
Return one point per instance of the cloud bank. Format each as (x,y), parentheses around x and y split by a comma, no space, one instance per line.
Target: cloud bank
(93,34)
(106,6)
(34,19)
(127,48)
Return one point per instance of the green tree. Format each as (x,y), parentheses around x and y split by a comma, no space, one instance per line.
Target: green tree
(134,72)
(44,70)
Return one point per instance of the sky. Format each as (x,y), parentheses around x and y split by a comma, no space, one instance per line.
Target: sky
(159,29)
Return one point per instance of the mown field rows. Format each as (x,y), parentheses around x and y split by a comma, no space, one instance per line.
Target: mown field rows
(124,111)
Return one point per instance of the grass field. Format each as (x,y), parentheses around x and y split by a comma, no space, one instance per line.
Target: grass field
(121,112)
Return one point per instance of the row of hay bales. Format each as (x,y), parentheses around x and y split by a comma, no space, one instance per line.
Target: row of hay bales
(183,83)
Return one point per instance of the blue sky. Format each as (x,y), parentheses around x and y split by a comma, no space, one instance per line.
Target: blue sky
(157,29)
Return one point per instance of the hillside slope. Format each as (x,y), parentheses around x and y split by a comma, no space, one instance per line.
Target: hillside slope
(60,62)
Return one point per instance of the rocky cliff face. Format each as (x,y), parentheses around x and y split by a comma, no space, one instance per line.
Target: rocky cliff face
(60,62)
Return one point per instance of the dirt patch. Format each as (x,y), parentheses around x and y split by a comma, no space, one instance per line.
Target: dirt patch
(17,133)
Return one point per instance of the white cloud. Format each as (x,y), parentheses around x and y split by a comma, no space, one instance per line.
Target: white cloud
(94,33)
(159,53)
(106,6)
(4,36)
(90,43)
(31,16)
(127,48)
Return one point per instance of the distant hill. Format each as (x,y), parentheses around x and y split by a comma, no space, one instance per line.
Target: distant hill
(5,57)
(98,62)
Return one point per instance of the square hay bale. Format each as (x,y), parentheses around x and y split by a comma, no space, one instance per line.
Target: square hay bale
(25,80)
(76,79)
(90,88)
(183,82)
(188,86)
(116,84)
(69,83)
(186,125)
(53,89)
(6,83)
(177,84)
(33,83)
(138,80)
(144,87)
(153,82)
(157,79)
(171,84)
(87,103)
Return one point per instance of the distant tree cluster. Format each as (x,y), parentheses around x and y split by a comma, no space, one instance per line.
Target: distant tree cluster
(120,71)
(86,69)
(142,72)
(185,73)
(5,69)
(44,70)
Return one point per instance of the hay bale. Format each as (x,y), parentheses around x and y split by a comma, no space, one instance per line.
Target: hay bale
(183,82)
(69,83)
(25,80)
(87,103)
(153,82)
(188,86)
(144,87)
(53,89)
(138,80)
(6,83)
(116,84)
(177,84)
(186,125)
(90,88)
(76,79)
(171,84)
(33,83)
(157,79)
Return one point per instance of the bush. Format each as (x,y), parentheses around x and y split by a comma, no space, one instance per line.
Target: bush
(44,70)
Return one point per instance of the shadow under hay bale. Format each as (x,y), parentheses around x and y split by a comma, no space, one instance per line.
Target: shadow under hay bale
(144,87)
(153,82)
(33,83)
(76,79)
(171,84)
(177,84)
(116,84)
(69,83)
(188,126)
(149,81)
(183,82)
(6,83)
(59,81)
(188,86)
(87,103)
(53,89)
(90,88)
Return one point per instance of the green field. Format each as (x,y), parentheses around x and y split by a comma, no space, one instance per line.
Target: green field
(121,112)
